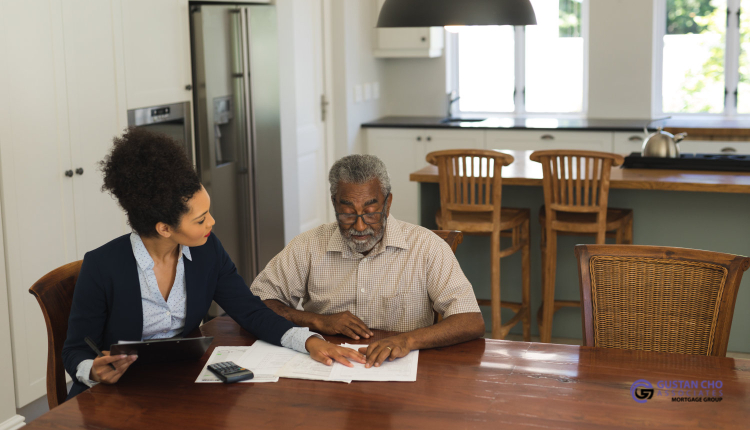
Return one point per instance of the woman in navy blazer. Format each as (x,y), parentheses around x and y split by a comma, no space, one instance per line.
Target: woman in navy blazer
(171,253)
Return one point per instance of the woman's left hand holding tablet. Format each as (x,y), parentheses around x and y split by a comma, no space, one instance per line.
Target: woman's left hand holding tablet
(101,371)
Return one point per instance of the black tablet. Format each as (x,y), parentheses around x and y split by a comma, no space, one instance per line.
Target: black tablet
(162,350)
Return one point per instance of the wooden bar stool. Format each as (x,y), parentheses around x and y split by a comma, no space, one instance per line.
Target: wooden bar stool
(470,201)
(576,190)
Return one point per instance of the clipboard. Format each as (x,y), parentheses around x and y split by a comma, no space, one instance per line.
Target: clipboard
(164,350)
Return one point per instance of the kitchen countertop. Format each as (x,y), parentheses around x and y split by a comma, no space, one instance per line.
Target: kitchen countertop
(522,123)
(529,173)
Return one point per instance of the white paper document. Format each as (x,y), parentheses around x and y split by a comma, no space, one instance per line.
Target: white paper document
(230,353)
(269,363)
(402,369)
(304,367)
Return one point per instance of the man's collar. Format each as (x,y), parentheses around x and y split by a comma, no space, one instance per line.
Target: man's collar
(393,237)
(148,263)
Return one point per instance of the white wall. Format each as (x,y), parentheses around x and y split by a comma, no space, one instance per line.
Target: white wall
(353,24)
(620,51)
(415,86)
(620,58)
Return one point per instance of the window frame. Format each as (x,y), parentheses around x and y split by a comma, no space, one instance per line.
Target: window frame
(731,64)
(519,33)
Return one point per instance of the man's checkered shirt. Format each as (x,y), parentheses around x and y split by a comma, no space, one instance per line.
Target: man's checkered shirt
(410,272)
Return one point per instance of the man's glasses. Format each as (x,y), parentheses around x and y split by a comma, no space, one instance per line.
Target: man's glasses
(370,218)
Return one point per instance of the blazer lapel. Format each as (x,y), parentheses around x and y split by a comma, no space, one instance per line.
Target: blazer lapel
(195,303)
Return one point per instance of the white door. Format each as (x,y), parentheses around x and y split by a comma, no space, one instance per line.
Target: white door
(35,152)
(97,113)
(309,81)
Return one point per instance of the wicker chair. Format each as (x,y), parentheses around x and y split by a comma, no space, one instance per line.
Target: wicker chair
(54,292)
(656,298)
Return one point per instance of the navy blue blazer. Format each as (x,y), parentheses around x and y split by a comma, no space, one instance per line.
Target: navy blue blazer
(107,300)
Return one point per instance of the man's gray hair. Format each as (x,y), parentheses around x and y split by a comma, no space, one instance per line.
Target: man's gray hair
(359,169)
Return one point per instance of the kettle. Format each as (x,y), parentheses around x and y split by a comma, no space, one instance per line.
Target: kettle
(662,144)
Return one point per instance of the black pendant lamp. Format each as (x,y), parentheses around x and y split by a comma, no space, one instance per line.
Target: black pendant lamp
(439,13)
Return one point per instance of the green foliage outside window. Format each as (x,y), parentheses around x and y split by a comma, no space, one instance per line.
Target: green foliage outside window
(688,16)
(570,18)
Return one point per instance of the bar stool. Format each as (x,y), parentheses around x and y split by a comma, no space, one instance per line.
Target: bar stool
(576,190)
(470,201)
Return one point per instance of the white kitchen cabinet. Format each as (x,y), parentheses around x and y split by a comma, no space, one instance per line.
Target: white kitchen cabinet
(403,150)
(60,105)
(713,147)
(542,139)
(420,42)
(399,149)
(156,42)
(416,42)
(627,142)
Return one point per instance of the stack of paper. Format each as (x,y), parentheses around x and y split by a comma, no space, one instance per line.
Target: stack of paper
(269,363)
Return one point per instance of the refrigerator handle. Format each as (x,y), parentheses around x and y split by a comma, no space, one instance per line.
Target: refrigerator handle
(248,155)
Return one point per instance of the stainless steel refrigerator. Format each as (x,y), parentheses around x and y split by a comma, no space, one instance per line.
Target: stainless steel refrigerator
(237,130)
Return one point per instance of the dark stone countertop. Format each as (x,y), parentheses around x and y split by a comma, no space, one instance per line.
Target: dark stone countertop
(522,123)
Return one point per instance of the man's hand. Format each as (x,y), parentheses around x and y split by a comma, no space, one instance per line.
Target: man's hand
(390,348)
(345,323)
(102,372)
(326,352)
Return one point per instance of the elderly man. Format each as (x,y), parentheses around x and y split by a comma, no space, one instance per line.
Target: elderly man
(370,271)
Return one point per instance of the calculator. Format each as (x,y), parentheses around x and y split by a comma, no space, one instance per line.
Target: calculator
(229,372)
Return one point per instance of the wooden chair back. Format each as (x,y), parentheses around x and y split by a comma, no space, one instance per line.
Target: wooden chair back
(470,180)
(656,298)
(576,181)
(453,238)
(54,292)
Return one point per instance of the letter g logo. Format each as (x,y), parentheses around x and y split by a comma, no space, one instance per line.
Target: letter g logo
(641,391)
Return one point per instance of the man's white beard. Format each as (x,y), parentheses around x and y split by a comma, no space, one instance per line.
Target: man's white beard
(367,245)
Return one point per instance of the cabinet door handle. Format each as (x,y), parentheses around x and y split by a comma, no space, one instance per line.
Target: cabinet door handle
(635,139)
(188,87)
(548,137)
(728,149)
(69,173)
(79,171)
(424,39)
(419,138)
(429,138)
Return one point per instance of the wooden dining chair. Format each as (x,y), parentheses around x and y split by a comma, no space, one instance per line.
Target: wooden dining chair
(54,292)
(453,238)
(470,201)
(656,298)
(576,193)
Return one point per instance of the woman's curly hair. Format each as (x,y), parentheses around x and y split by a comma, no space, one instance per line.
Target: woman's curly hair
(151,177)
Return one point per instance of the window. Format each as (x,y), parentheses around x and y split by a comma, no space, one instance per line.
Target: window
(705,68)
(534,69)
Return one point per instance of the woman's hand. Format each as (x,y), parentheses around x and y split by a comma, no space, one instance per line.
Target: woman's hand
(101,371)
(326,352)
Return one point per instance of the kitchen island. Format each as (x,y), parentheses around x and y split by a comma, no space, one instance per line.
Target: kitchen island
(691,209)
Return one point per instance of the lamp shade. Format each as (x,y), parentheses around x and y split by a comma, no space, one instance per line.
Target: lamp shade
(438,13)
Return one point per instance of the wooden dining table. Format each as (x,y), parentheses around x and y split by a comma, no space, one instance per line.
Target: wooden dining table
(480,384)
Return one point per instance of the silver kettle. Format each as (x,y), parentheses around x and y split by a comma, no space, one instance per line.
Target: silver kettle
(662,144)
